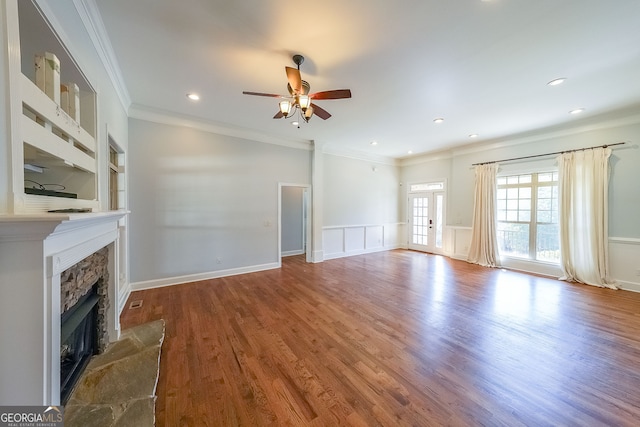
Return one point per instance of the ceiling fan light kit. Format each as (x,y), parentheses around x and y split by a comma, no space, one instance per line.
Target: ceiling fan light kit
(299,102)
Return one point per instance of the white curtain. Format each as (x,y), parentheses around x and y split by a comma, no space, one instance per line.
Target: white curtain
(583,209)
(483,249)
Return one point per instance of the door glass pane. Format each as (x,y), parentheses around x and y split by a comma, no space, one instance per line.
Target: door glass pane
(420,220)
(439,219)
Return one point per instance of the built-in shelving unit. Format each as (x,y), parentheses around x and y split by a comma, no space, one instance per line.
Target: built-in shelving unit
(58,152)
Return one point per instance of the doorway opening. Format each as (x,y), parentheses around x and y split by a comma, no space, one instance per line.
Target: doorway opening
(294,220)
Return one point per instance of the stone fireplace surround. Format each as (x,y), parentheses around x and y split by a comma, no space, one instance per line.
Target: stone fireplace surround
(34,252)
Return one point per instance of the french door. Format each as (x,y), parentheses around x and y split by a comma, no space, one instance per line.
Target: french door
(426,221)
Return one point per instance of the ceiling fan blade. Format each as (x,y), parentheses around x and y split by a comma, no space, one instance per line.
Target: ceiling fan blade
(271,95)
(278,115)
(320,112)
(332,94)
(293,75)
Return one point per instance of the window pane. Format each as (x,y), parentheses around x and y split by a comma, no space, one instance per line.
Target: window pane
(545,177)
(525,179)
(512,204)
(525,193)
(512,215)
(544,204)
(524,216)
(548,243)
(502,193)
(524,204)
(502,180)
(544,192)
(512,193)
(512,179)
(502,216)
(513,239)
(502,205)
(544,216)
(439,224)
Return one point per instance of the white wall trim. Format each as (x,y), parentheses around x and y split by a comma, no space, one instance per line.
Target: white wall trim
(123,296)
(330,227)
(337,255)
(625,240)
(360,155)
(585,126)
(292,253)
(141,112)
(178,280)
(349,240)
(92,20)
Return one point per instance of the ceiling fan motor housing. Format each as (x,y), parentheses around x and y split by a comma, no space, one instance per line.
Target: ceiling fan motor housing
(305,89)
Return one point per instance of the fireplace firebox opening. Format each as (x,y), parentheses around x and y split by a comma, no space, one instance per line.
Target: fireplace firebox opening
(79,340)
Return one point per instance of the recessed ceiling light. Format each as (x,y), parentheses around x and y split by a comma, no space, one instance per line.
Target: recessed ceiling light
(556,82)
(374,142)
(438,120)
(295,123)
(576,111)
(473,135)
(410,152)
(193,96)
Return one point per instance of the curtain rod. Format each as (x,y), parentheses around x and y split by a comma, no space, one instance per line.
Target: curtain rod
(547,154)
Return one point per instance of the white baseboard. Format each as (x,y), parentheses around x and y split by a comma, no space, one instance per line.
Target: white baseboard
(292,253)
(177,280)
(337,255)
(629,286)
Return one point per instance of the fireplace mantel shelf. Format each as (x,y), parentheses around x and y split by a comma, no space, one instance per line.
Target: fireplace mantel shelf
(32,226)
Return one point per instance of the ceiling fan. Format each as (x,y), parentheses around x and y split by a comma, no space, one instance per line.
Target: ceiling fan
(299,100)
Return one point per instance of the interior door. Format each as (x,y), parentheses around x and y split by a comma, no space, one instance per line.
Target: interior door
(426,221)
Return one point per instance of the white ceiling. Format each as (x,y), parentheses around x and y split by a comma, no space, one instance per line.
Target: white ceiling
(483,66)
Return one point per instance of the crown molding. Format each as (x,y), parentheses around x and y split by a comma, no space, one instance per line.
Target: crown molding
(92,20)
(425,158)
(149,114)
(360,155)
(588,125)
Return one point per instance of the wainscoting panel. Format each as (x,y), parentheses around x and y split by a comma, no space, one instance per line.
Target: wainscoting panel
(374,238)
(624,262)
(348,240)
(354,239)
(460,239)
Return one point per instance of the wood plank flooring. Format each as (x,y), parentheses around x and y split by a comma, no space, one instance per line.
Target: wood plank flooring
(394,338)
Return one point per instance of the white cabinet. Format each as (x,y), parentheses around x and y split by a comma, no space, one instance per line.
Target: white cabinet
(54,156)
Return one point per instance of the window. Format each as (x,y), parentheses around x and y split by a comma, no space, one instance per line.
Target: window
(426,186)
(528,216)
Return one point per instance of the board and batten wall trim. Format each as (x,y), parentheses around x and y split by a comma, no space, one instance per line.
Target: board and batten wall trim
(347,240)
(624,262)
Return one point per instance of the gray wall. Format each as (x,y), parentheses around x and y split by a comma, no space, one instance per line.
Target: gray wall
(355,194)
(202,202)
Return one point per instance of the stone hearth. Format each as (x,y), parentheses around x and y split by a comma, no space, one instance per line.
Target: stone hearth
(118,387)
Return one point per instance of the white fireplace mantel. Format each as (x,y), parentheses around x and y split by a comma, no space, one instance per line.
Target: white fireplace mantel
(34,250)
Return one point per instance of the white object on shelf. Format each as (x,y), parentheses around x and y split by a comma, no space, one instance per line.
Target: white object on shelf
(48,75)
(33,168)
(70,100)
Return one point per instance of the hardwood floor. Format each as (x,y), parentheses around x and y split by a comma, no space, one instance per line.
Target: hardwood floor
(394,338)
